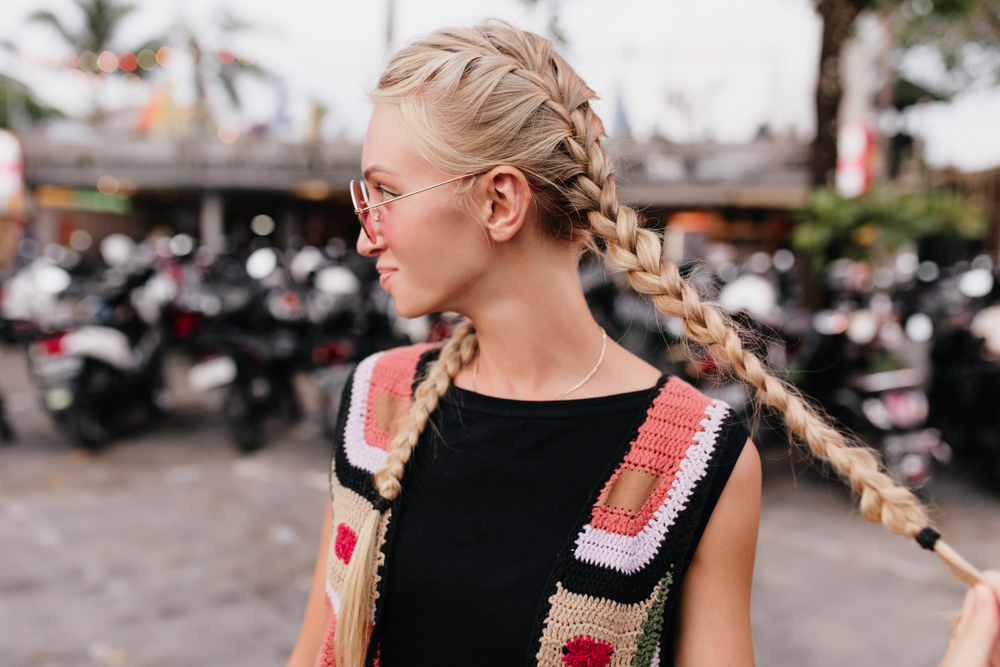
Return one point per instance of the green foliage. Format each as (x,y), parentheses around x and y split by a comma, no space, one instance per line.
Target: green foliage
(18,104)
(101,20)
(879,222)
(965,33)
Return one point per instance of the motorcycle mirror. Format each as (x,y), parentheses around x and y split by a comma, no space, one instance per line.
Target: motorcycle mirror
(337,281)
(51,280)
(752,293)
(117,249)
(975,283)
(919,328)
(261,263)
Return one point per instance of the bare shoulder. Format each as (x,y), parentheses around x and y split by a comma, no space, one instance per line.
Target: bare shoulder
(732,528)
(746,476)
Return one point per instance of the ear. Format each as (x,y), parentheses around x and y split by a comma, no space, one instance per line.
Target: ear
(507,202)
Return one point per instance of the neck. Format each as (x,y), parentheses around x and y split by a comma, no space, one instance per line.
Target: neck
(536,336)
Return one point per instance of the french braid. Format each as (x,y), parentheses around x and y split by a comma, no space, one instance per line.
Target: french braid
(351,638)
(457,352)
(639,252)
(476,98)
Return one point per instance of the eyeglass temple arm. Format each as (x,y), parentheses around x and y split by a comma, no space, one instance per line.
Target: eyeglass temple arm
(415,192)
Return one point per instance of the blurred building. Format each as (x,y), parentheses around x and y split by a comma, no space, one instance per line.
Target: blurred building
(198,184)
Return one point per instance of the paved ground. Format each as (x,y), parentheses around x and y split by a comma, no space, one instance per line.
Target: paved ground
(170,549)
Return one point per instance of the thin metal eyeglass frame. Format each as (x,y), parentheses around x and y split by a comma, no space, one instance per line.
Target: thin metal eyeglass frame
(360,211)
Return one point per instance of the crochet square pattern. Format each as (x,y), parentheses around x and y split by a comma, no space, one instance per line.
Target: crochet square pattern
(621,627)
(386,378)
(675,444)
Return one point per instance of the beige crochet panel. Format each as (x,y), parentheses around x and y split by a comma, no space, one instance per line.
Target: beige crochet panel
(351,509)
(573,615)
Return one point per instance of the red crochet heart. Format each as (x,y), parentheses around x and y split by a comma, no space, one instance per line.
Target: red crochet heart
(586,651)
(343,545)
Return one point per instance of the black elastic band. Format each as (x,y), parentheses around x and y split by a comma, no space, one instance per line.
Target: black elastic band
(927,538)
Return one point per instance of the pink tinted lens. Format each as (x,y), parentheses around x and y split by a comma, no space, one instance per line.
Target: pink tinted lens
(360,202)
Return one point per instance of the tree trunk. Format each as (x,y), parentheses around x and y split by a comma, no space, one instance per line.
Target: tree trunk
(838,17)
(883,169)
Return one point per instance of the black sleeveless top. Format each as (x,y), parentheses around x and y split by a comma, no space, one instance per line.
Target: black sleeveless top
(489,498)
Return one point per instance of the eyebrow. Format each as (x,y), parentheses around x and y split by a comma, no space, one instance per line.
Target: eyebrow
(377,169)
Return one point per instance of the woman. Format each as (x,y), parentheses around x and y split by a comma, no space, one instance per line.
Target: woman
(568,504)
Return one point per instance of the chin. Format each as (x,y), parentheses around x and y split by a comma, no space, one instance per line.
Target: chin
(410,308)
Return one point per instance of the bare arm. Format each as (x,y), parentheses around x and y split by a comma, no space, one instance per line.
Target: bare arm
(316,619)
(712,618)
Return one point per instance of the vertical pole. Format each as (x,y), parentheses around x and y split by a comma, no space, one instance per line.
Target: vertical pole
(211,222)
(390,20)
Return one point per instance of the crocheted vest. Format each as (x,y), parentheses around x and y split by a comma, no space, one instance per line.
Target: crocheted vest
(610,594)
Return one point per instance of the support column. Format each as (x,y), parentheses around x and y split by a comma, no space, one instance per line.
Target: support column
(210,225)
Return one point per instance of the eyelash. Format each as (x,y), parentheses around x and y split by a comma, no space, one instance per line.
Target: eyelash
(387,193)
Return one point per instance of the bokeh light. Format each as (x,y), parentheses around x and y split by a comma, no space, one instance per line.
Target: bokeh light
(69,60)
(107,185)
(248,60)
(185,112)
(225,55)
(146,59)
(28,57)
(262,225)
(127,187)
(88,61)
(315,190)
(228,133)
(107,61)
(127,61)
(80,240)
(164,56)
(78,78)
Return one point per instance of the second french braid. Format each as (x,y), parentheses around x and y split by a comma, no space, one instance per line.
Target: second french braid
(638,251)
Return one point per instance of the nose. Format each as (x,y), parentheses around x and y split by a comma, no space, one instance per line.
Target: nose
(368,249)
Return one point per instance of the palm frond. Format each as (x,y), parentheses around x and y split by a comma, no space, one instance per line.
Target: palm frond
(251,69)
(230,23)
(44,16)
(226,78)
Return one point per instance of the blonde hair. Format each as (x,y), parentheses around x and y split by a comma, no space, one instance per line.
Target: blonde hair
(475,98)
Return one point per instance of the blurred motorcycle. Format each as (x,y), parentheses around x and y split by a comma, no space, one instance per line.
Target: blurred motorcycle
(92,375)
(965,359)
(306,315)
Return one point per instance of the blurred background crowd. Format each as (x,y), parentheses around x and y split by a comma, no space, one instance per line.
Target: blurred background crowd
(175,215)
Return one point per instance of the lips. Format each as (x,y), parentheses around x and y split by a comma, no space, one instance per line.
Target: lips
(384,274)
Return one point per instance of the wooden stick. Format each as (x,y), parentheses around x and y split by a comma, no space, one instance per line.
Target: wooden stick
(960,569)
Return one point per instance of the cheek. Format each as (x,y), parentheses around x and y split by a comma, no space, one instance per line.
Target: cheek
(434,233)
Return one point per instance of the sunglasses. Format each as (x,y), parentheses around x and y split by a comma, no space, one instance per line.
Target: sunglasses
(370,221)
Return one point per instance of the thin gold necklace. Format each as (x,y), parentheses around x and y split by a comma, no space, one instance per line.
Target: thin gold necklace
(604,348)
